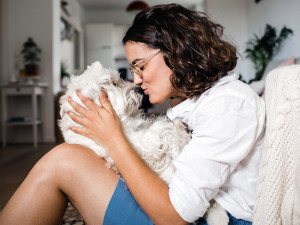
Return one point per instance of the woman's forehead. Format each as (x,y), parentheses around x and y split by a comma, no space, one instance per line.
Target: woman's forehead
(136,51)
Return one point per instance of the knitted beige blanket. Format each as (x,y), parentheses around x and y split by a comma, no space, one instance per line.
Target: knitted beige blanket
(278,190)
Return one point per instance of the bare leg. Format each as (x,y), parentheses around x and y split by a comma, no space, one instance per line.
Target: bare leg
(68,172)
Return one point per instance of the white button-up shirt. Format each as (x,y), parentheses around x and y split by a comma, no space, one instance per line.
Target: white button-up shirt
(221,160)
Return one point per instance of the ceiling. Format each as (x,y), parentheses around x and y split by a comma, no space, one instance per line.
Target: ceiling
(122,4)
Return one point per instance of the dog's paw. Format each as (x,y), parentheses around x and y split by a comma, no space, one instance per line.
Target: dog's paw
(216,215)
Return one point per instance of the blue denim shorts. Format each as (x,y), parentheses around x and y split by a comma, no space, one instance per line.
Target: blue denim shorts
(232,221)
(123,209)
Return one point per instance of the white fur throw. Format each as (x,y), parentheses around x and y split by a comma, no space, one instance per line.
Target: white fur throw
(277,200)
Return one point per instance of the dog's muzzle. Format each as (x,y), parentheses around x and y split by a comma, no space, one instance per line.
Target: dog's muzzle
(139,90)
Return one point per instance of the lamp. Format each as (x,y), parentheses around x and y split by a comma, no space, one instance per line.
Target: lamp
(137,6)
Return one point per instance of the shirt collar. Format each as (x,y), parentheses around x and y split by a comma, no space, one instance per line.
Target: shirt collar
(231,76)
(177,110)
(188,104)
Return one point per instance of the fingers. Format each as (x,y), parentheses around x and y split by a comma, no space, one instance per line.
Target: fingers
(91,104)
(86,101)
(105,102)
(77,108)
(79,130)
(79,120)
(76,118)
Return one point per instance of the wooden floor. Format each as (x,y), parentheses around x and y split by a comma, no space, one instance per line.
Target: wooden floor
(15,163)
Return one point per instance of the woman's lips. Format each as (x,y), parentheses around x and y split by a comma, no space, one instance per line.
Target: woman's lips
(145,91)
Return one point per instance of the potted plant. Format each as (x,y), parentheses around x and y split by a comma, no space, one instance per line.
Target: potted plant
(260,50)
(30,54)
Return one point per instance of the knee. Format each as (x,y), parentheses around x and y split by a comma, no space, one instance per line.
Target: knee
(61,161)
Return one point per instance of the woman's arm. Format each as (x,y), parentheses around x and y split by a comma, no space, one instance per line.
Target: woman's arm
(102,125)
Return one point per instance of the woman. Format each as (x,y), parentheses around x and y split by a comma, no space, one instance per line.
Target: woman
(173,53)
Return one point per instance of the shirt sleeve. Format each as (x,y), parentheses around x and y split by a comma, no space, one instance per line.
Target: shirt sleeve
(224,132)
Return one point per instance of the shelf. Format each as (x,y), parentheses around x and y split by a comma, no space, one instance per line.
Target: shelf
(120,58)
(33,91)
(70,21)
(23,123)
(20,119)
(23,89)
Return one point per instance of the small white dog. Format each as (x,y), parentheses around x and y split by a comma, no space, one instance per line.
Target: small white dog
(156,139)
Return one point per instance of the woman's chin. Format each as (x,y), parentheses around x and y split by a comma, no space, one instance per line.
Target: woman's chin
(156,100)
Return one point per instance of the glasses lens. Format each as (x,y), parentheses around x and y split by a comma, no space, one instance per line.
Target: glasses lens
(134,70)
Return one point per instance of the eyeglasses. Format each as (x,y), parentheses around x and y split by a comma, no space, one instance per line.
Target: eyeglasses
(138,70)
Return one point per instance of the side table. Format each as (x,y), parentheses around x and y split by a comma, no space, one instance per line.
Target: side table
(31,90)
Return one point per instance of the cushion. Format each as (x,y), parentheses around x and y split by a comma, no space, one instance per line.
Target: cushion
(288,62)
(275,64)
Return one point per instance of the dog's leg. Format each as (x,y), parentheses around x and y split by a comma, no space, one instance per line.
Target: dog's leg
(216,215)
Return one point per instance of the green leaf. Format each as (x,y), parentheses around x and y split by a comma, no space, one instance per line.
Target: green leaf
(261,50)
(30,51)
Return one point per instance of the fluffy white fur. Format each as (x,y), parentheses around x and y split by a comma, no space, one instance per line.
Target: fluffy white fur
(156,139)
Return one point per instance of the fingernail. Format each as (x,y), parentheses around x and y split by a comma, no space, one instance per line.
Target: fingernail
(68,98)
(103,94)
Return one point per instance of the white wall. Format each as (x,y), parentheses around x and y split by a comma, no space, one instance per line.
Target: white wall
(232,14)
(38,19)
(243,18)
(276,13)
(109,16)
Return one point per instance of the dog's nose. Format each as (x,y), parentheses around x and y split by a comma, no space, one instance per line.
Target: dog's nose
(139,90)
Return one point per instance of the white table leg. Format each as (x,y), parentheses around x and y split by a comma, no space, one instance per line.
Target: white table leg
(34,113)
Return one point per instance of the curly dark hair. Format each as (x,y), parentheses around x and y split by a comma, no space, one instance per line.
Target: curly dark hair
(191,44)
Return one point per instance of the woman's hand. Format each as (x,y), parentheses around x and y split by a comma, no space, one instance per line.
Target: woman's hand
(99,123)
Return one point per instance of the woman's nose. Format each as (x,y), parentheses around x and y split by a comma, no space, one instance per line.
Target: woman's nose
(137,79)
